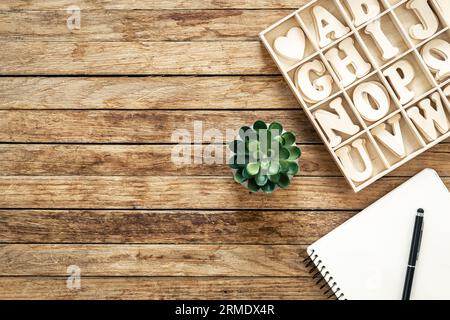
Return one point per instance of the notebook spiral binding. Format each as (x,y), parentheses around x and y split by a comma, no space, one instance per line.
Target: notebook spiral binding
(325,280)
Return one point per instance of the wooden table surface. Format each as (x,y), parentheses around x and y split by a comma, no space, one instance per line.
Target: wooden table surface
(86,176)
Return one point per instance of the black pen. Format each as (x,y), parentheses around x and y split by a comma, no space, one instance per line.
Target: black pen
(413,254)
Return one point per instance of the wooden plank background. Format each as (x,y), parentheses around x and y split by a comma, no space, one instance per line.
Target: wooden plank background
(86,119)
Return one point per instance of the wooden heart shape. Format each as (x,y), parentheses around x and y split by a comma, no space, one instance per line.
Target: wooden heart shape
(291,46)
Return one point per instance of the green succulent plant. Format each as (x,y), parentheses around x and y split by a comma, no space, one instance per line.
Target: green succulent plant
(264,157)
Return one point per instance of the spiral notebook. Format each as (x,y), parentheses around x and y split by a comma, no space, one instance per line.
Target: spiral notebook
(366,257)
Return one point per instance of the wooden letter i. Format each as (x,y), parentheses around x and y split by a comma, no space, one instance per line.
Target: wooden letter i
(381,40)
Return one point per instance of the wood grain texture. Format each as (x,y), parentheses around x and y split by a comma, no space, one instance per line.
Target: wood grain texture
(153,260)
(86,176)
(139,160)
(155,160)
(143,58)
(153,5)
(138,126)
(255,92)
(167,227)
(138,25)
(75,192)
(169,288)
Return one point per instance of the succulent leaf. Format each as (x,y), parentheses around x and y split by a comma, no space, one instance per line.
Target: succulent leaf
(276,126)
(289,138)
(275,151)
(261,179)
(284,166)
(252,186)
(284,154)
(280,140)
(284,181)
(265,165)
(253,168)
(239,176)
(245,173)
(259,125)
(274,168)
(294,152)
(269,187)
(293,168)
(275,178)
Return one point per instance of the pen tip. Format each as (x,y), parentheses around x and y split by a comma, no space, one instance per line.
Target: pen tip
(420,210)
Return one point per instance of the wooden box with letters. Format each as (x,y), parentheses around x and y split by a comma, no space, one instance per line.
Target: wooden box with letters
(371,75)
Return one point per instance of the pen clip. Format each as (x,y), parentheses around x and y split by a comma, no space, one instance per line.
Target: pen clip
(420,242)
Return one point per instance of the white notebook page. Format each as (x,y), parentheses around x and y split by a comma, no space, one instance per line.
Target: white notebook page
(367,256)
